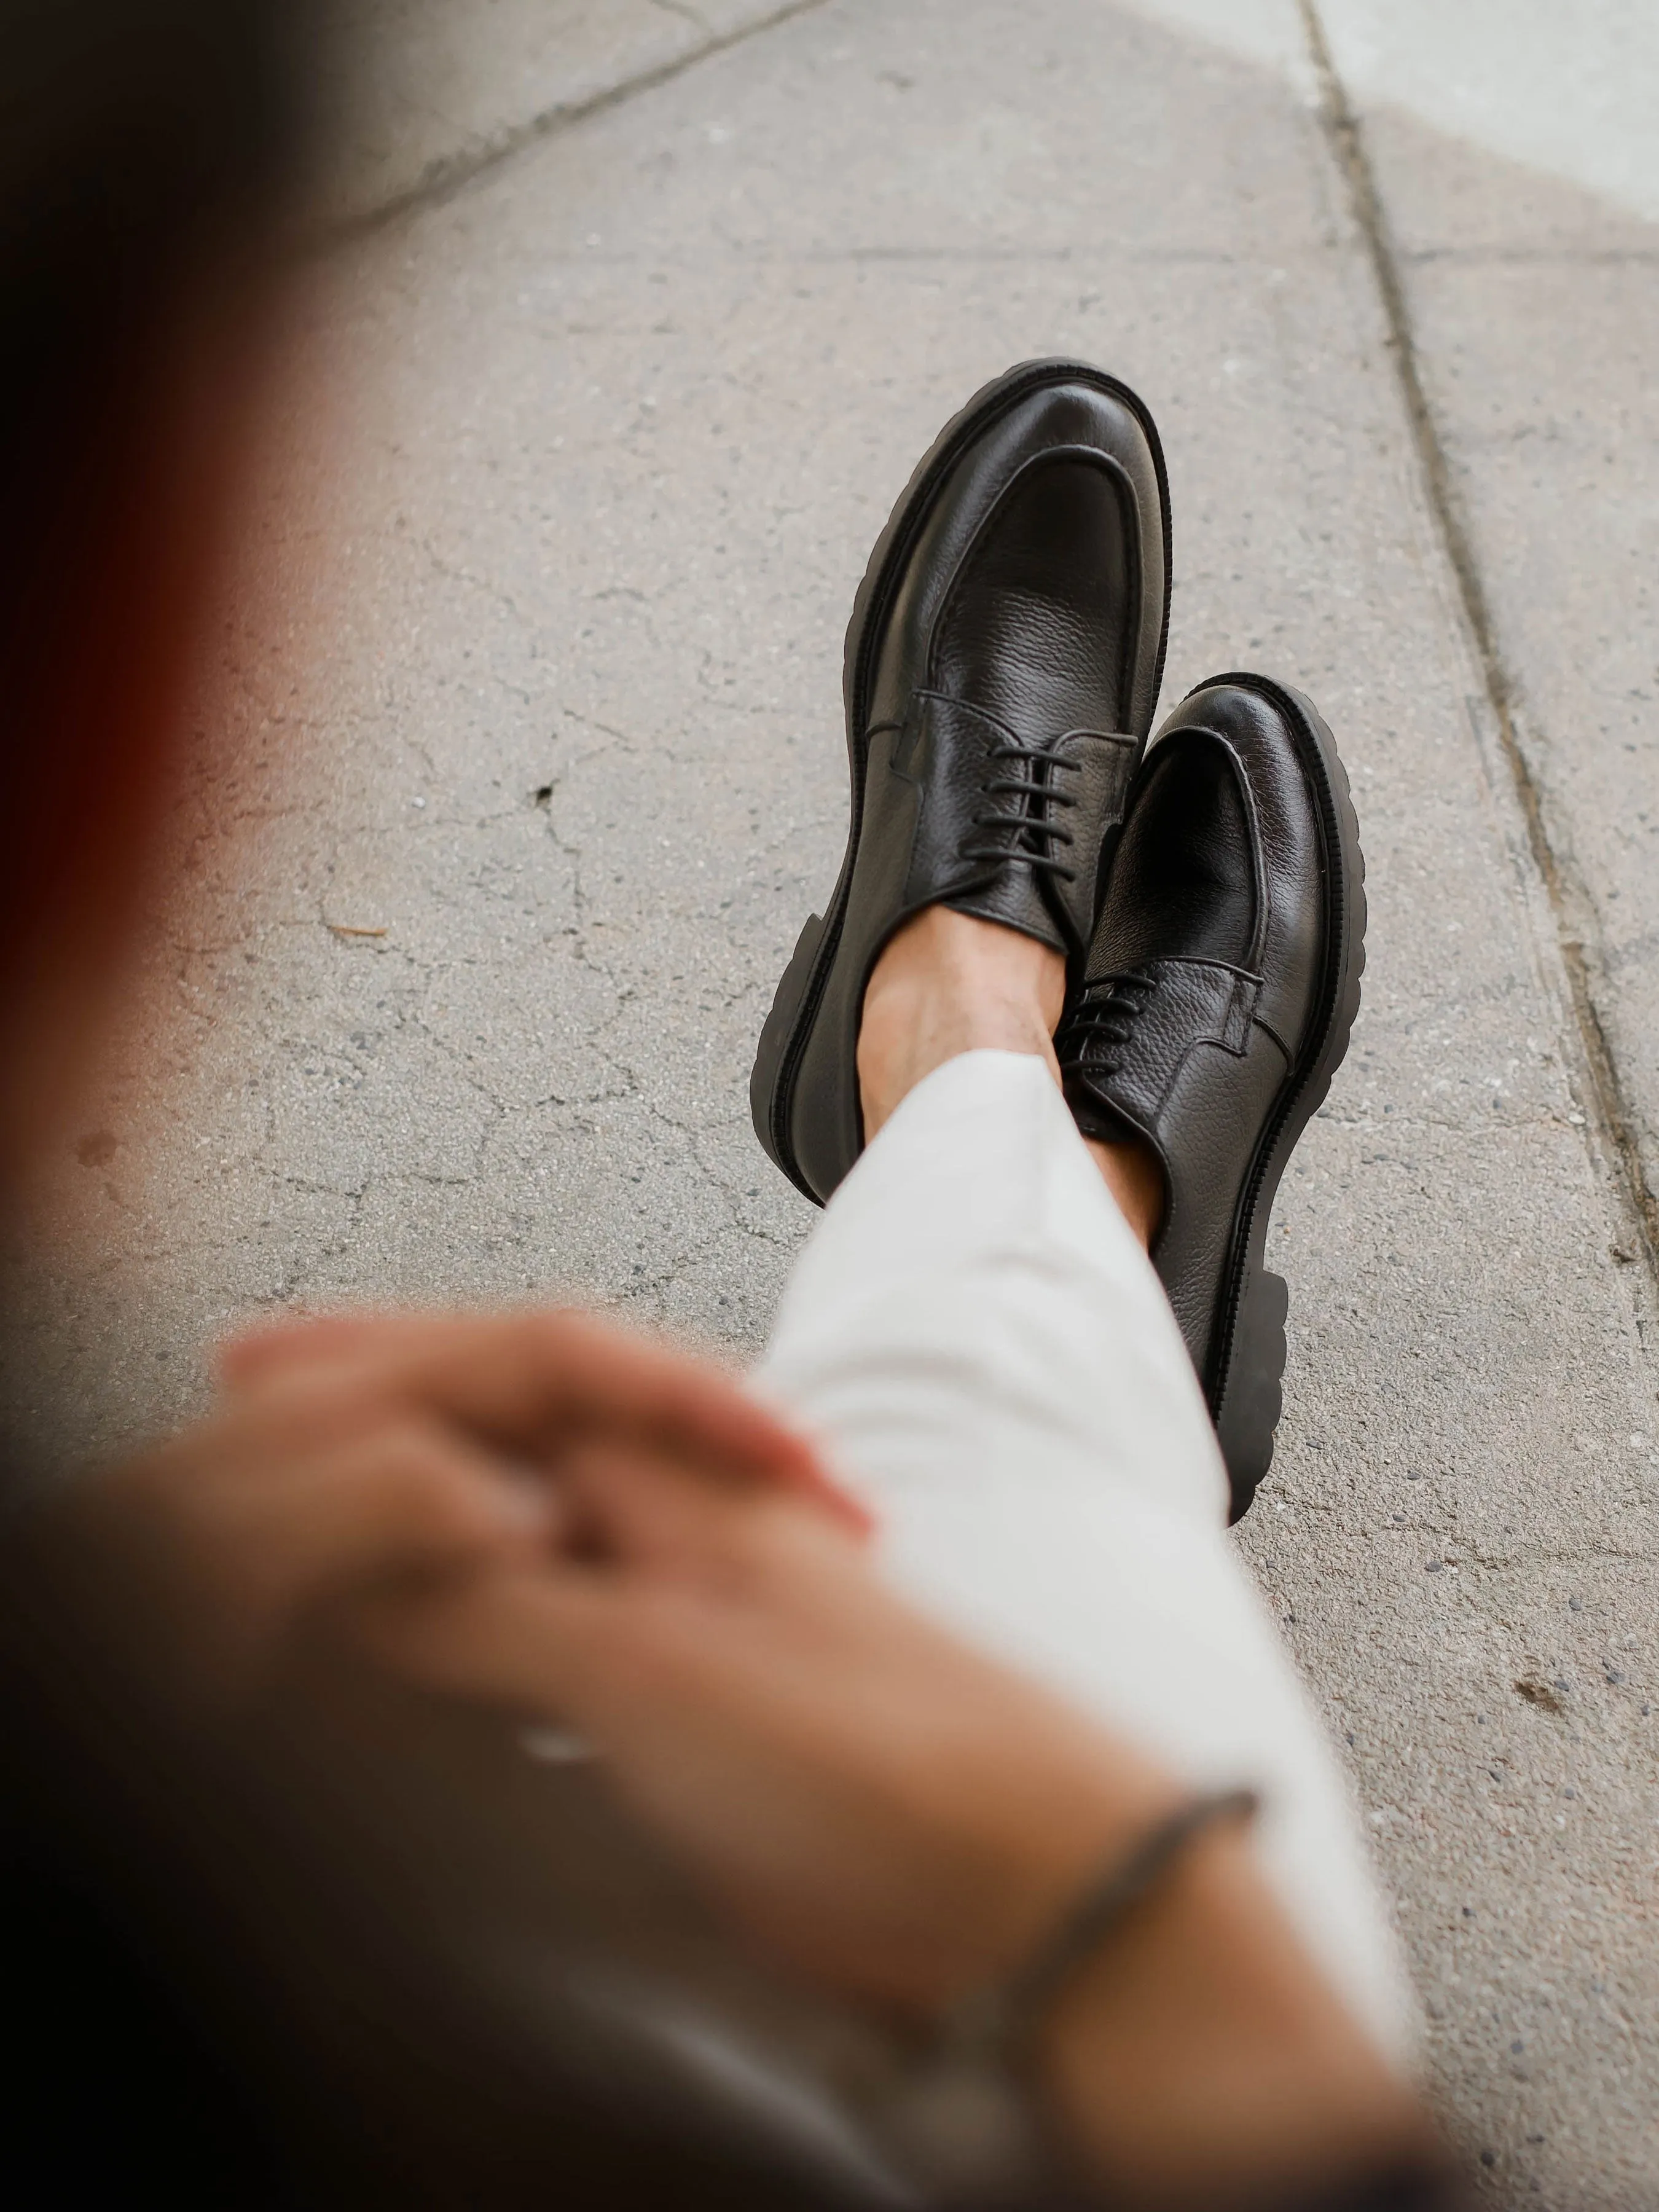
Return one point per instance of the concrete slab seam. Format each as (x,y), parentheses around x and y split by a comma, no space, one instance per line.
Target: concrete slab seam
(450,174)
(1602,1082)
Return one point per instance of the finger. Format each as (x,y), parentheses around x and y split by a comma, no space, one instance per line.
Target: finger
(255,1354)
(521,1372)
(648,1514)
(411,1499)
(530,1379)
(542,1645)
(638,1509)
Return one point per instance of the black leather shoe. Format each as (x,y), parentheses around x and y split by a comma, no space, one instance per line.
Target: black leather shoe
(1002,666)
(1217,999)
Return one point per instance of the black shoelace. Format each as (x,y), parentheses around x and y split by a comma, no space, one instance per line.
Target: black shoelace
(1031,834)
(1106,1017)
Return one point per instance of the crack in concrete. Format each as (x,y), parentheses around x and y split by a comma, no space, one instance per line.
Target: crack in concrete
(449,173)
(1346,138)
(686,13)
(490,590)
(1536,257)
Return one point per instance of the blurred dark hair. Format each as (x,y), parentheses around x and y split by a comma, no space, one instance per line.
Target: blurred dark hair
(146,147)
(284,1972)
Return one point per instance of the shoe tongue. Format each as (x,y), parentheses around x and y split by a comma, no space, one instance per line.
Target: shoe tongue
(1183,879)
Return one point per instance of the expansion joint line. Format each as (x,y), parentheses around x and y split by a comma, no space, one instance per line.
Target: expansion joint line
(1347,141)
(445,177)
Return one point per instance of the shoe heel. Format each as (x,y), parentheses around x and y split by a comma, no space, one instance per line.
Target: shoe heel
(1248,1414)
(766,1104)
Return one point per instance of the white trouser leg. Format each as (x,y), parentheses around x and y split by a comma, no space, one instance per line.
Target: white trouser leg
(977,1337)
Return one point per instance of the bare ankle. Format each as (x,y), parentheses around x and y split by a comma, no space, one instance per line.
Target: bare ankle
(1134,1176)
(948,983)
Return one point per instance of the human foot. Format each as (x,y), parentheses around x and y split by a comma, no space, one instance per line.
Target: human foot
(1217,1000)
(1134,1176)
(1002,665)
(948,983)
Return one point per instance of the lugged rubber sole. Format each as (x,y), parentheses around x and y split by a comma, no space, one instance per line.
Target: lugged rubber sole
(1247,1364)
(787,1026)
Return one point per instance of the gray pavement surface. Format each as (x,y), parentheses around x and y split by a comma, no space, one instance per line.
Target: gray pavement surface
(526,766)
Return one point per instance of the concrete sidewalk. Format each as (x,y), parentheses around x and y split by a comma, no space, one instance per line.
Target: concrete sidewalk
(534,767)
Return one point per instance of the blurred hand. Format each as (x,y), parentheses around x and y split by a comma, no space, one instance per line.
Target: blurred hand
(872,1801)
(355,1455)
(566,1524)
(900,1819)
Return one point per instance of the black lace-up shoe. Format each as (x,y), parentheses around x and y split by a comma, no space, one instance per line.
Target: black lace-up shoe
(1002,666)
(1219,990)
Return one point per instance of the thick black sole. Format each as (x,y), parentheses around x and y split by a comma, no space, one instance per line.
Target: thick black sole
(787,1026)
(1247,1362)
